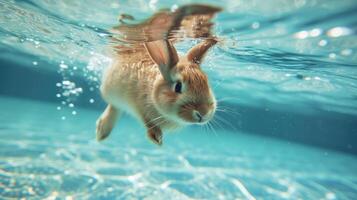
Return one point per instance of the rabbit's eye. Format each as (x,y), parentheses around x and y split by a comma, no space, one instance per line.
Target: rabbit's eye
(178,87)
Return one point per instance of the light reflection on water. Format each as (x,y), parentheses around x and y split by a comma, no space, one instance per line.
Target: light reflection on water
(305,39)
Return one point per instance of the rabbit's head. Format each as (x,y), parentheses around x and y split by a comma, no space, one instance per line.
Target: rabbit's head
(183,93)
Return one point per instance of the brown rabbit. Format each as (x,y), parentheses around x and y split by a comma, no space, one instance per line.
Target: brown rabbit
(154,84)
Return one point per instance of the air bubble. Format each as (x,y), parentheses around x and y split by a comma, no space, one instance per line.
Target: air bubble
(35,63)
(71,105)
(59,108)
(74,112)
(339,31)
(315,32)
(332,55)
(63,66)
(322,43)
(91,100)
(63,117)
(301,35)
(66,82)
(330,196)
(102,34)
(255,25)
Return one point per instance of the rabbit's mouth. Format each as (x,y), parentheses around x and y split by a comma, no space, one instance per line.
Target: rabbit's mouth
(202,119)
(195,116)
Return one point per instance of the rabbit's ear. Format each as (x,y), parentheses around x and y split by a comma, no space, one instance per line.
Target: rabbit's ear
(164,55)
(197,52)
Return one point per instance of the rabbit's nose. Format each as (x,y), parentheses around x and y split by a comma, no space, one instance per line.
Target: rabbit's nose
(197,115)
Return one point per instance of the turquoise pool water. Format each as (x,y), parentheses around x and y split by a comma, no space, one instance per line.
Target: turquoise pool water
(284,73)
(43,156)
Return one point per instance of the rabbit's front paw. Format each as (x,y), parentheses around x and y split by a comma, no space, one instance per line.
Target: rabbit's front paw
(155,135)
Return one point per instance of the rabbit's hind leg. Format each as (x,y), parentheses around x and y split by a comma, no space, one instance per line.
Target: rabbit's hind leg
(106,122)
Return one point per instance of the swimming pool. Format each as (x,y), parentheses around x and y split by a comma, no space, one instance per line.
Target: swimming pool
(284,75)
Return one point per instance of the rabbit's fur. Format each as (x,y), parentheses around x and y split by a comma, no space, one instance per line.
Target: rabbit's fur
(158,87)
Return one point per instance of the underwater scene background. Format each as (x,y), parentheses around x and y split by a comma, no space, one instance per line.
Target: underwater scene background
(284,74)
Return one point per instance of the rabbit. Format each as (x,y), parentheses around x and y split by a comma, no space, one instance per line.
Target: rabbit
(157,86)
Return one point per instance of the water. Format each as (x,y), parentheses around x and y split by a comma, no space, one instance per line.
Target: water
(284,71)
